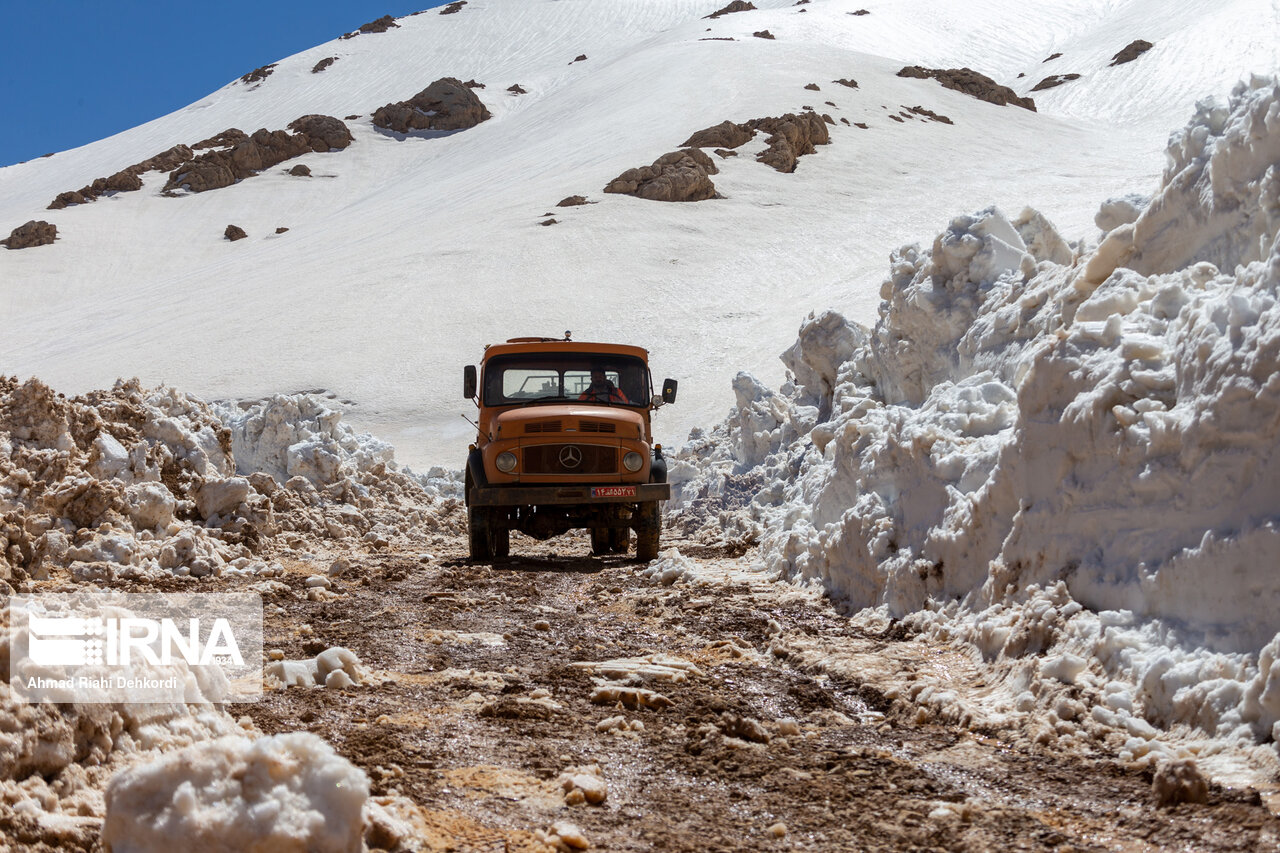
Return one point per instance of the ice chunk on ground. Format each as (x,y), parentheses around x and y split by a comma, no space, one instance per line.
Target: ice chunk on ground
(284,792)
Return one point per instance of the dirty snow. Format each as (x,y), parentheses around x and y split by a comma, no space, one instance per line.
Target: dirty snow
(1058,457)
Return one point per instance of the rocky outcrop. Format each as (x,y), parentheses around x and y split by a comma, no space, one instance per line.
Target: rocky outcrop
(234,232)
(735,6)
(230,136)
(790,137)
(677,176)
(126,180)
(726,134)
(34,233)
(1131,51)
(323,64)
(323,133)
(572,201)
(453,8)
(257,75)
(265,148)
(447,104)
(1053,81)
(517,89)
(301,171)
(972,83)
(381,25)
(763,34)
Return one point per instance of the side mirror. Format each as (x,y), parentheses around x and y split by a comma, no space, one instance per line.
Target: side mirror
(669,387)
(469,382)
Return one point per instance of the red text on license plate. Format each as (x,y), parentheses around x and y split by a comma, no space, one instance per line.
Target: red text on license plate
(613,491)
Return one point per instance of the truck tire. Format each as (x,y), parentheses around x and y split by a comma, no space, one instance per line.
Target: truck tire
(648,526)
(599,541)
(479,533)
(499,537)
(619,539)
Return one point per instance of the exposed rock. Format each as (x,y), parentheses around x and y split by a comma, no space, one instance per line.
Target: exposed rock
(790,137)
(860,12)
(472,84)
(549,222)
(970,82)
(234,232)
(453,7)
(572,201)
(257,75)
(930,114)
(1131,51)
(677,176)
(381,25)
(1054,80)
(281,230)
(230,136)
(323,64)
(813,87)
(852,84)
(37,232)
(725,153)
(126,180)
(735,6)
(325,133)
(1179,781)
(201,175)
(726,134)
(582,57)
(517,89)
(763,34)
(447,104)
(301,171)
(1051,56)
(265,148)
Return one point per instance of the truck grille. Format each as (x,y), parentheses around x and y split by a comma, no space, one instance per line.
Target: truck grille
(597,426)
(542,426)
(558,459)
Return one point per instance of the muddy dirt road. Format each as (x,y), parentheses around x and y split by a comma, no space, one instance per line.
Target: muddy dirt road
(668,713)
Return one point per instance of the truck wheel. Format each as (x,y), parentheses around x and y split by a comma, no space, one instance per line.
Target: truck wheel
(479,533)
(648,526)
(500,538)
(599,541)
(619,539)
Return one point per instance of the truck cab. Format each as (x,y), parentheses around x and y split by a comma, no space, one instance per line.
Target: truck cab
(564,440)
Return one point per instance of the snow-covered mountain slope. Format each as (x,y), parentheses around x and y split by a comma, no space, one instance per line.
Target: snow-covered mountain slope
(406,254)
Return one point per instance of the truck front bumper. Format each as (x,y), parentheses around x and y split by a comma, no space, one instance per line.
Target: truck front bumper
(550,495)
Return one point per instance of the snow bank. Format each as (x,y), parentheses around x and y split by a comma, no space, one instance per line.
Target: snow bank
(1065,456)
(136,482)
(284,792)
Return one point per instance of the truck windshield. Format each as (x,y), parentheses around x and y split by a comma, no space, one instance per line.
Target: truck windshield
(579,377)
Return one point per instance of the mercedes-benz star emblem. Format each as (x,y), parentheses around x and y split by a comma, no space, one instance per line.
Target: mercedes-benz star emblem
(570,456)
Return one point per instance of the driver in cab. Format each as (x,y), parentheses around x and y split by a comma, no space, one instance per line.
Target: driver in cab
(601,390)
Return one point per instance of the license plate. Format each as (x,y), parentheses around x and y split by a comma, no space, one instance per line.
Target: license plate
(613,491)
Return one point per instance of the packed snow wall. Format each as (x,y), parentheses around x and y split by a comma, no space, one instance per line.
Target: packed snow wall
(1045,448)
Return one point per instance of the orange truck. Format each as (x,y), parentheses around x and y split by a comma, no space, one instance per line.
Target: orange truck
(564,441)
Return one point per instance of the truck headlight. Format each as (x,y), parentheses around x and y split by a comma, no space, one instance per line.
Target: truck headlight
(633,461)
(506,462)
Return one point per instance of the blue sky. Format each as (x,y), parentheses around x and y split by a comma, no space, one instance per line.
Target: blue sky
(75,71)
